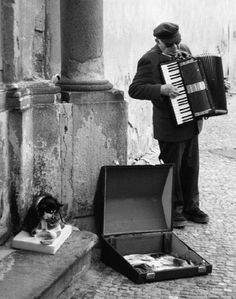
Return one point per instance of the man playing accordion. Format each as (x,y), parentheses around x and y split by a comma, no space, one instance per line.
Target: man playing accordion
(178,143)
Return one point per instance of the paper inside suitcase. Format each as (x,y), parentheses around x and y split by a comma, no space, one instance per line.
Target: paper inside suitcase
(133,209)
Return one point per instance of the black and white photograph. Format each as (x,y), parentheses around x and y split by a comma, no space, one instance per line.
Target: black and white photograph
(117,149)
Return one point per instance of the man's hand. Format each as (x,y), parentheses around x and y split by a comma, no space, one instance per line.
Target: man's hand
(169,90)
(227,84)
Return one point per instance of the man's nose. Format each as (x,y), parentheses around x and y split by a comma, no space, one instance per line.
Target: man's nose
(174,47)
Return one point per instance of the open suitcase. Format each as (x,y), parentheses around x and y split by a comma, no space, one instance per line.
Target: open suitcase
(133,209)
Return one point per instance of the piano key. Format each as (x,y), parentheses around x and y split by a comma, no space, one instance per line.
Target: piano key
(185,110)
(175,73)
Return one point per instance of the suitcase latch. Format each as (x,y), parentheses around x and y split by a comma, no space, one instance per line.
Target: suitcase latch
(112,241)
(150,275)
(202,267)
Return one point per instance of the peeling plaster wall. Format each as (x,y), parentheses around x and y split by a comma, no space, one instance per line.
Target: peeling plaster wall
(31,39)
(53,38)
(34,156)
(96,142)
(27,158)
(46,142)
(40,153)
(65,111)
(206,26)
(14,156)
(10,41)
(4,173)
(99,138)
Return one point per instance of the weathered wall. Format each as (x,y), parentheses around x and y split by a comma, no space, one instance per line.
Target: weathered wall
(53,38)
(128,26)
(32,147)
(31,39)
(4,174)
(96,133)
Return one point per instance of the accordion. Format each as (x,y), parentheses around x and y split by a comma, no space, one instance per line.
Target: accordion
(200,82)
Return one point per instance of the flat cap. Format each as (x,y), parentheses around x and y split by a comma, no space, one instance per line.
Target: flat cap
(167,32)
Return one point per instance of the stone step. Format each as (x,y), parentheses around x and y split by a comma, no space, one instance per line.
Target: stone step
(27,274)
(4,234)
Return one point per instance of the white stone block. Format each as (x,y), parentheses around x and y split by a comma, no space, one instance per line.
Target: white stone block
(23,240)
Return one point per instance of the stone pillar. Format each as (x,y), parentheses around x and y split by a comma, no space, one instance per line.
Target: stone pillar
(4,169)
(82,46)
(98,112)
(34,144)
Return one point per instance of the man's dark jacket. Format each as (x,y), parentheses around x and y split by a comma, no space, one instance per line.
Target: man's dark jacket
(146,85)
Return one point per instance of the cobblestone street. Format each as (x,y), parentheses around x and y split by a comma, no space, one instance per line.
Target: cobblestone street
(214,241)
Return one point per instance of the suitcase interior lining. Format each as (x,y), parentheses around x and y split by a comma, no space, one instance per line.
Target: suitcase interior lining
(165,243)
(137,200)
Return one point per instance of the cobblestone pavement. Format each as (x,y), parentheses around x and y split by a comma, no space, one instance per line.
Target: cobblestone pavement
(214,241)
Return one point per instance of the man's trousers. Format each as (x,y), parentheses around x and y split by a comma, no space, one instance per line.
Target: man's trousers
(185,156)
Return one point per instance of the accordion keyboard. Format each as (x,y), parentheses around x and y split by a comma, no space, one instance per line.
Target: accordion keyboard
(180,104)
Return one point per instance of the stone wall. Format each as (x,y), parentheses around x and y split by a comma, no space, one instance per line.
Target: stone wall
(31,39)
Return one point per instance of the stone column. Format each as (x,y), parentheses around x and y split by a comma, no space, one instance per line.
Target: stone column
(82,45)
(4,171)
(34,145)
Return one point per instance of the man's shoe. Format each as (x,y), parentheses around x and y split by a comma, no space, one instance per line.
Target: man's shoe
(197,215)
(179,221)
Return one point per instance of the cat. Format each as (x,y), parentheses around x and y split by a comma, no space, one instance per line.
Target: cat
(44,218)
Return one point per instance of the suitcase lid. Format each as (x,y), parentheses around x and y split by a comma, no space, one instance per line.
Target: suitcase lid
(134,199)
